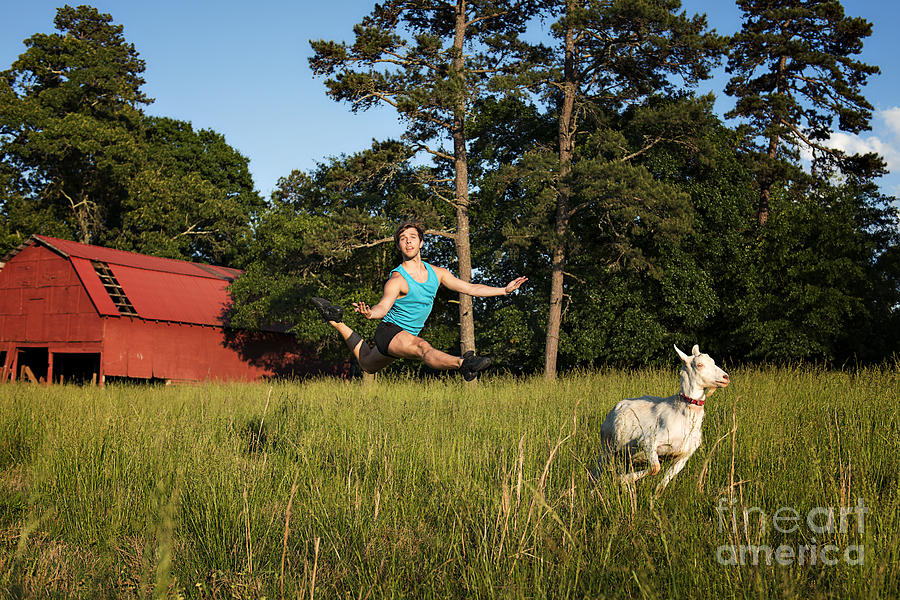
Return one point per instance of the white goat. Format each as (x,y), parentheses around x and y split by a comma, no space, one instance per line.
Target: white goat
(648,427)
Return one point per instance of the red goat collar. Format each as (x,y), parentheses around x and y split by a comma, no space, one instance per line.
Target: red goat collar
(690,400)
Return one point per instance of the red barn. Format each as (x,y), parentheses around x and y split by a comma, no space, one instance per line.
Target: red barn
(71,311)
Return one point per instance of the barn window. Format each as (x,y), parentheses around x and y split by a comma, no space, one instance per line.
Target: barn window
(115,291)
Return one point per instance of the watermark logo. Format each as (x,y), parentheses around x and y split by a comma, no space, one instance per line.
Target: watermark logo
(820,521)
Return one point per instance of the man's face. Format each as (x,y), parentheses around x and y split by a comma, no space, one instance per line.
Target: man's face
(409,243)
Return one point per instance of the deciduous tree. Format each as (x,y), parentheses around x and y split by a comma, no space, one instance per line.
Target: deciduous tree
(81,160)
(69,115)
(192,196)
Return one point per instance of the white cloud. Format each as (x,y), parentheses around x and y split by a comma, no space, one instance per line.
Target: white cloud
(891,117)
(854,144)
(884,140)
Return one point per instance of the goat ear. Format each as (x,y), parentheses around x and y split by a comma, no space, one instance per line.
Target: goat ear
(684,357)
(695,350)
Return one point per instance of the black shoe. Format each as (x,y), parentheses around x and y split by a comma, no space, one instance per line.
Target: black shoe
(328,311)
(473,365)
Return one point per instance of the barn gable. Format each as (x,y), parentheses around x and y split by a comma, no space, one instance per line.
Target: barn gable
(42,299)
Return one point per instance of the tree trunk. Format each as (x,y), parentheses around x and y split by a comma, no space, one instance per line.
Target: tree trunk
(461,182)
(765,185)
(81,212)
(762,212)
(558,258)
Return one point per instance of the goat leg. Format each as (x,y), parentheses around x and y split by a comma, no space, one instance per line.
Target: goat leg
(676,468)
(653,469)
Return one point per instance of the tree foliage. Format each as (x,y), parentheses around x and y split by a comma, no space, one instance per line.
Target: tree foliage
(431,61)
(330,232)
(610,57)
(70,111)
(191,196)
(796,82)
(585,159)
(592,163)
(80,159)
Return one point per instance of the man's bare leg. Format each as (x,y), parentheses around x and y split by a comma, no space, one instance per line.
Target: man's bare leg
(370,359)
(407,345)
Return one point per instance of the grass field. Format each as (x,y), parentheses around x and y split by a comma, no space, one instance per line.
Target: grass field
(413,488)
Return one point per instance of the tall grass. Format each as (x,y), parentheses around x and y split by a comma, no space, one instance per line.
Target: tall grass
(432,488)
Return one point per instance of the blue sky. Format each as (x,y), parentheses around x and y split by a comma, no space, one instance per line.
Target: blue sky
(241,69)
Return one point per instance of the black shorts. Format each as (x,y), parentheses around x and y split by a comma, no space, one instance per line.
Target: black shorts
(383,336)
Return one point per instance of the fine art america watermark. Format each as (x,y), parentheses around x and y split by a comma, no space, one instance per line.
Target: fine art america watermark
(818,521)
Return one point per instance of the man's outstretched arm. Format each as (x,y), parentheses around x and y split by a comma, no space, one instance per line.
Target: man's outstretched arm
(451,282)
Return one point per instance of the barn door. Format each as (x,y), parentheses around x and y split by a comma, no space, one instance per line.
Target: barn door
(76,367)
(33,363)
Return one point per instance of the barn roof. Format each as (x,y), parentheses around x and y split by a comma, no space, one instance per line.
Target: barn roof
(122,283)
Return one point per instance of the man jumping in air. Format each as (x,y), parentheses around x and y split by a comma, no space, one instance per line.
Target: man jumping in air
(404,307)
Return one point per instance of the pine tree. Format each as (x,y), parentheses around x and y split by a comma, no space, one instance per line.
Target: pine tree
(429,60)
(610,55)
(795,81)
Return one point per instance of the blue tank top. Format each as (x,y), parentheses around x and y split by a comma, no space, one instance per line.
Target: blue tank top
(410,311)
